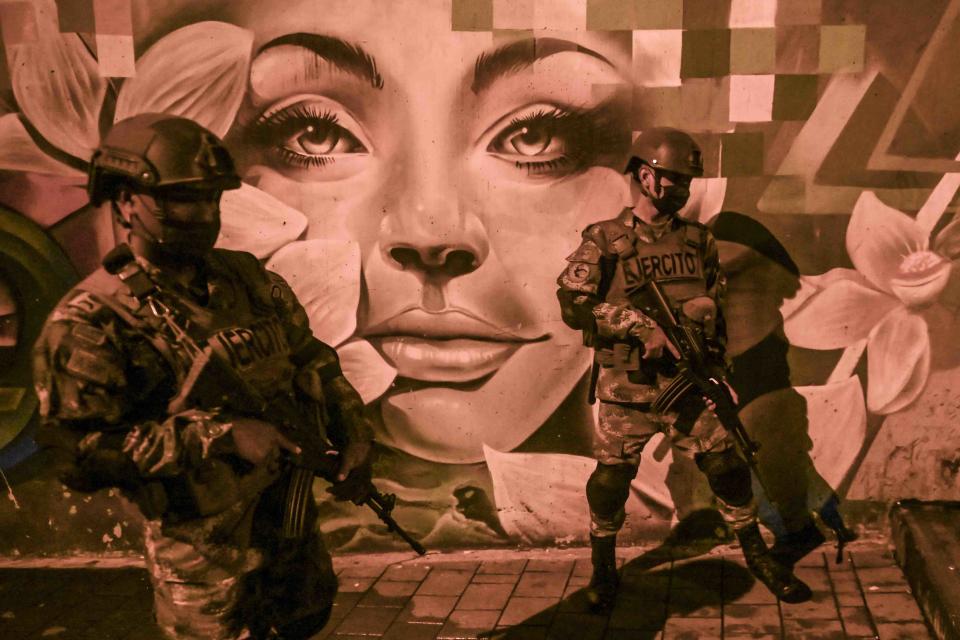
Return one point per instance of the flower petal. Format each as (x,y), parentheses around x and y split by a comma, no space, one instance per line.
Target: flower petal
(837,421)
(879,237)
(365,369)
(838,315)
(325,275)
(253,220)
(898,361)
(18,151)
(197,72)
(540,496)
(59,89)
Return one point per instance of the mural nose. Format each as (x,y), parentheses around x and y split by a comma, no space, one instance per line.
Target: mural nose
(439,260)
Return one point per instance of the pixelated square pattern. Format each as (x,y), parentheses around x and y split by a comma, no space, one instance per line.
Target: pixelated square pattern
(657,57)
(706,53)
(753,51)
(794,96)
(633,15)
(741,154)
(842,48)
(75,16)
(18,23)
(113,17)
(751,98)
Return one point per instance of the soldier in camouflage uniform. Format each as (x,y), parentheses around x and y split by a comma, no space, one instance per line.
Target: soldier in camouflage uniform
(110,372)
(633,360)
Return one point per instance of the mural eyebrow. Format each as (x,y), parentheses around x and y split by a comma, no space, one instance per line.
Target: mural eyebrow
(515,56)
(349,57)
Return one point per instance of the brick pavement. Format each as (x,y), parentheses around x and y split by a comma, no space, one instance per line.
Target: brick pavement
(511,595)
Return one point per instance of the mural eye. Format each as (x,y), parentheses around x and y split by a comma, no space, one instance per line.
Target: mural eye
(534,139)
(306,135)
(554,141)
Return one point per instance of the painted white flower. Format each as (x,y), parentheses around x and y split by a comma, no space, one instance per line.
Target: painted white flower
(61,96)
(879,305)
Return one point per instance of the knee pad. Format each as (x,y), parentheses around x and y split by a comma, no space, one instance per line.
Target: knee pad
(608,487)
(728,475)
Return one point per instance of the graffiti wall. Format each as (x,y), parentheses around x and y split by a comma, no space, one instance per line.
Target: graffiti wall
(418,170)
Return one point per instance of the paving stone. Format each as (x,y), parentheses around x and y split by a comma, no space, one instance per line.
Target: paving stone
(519,633)
(814,559)
(495,578)
(850,599)
(820,607)
(468,624)
(893,607)
(583,567)
(633,634)
(883,579)
(462,565)
(694,604)
(424,608)
(503,566)
(535,611)
(577,626)
(355,585)
(756,594)
(547,585)
(575,600)
(578,581)
(813,629)
(871,559)
(445,582)
(411,631)
(367,621)
(692,629)
(362,571)
(856,621)
(903,631)
(815,577)
(388,594)
(406,572)
(844,582)
(632,614)
(553,566)
(751,618)
(485,596)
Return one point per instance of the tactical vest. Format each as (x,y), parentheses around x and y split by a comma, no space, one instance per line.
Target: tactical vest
(675,261)
(241,323)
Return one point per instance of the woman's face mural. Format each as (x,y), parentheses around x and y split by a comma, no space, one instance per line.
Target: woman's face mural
(458,163)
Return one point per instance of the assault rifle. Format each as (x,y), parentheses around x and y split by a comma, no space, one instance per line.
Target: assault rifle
(212,383)
(204,387)
(694,371)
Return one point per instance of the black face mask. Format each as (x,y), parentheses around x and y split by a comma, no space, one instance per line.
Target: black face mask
(169,240)
(673,198)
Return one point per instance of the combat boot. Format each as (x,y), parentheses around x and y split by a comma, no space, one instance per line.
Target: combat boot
(779,579)
(789,548)
(602,591)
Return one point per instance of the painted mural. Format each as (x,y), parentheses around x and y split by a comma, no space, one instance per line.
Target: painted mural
(486,135)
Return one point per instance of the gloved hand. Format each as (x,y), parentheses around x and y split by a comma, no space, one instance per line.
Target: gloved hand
(353,478)
(255,440)
(654,341)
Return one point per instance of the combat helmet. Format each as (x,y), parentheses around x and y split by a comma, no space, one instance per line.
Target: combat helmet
(666,149)
(151,151)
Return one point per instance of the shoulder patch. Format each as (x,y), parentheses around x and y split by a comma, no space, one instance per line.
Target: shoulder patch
(88,366)
(88,334)
(587,252)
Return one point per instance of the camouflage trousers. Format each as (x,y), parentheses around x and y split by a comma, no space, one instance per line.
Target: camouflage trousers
(221,592)
(623,430)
